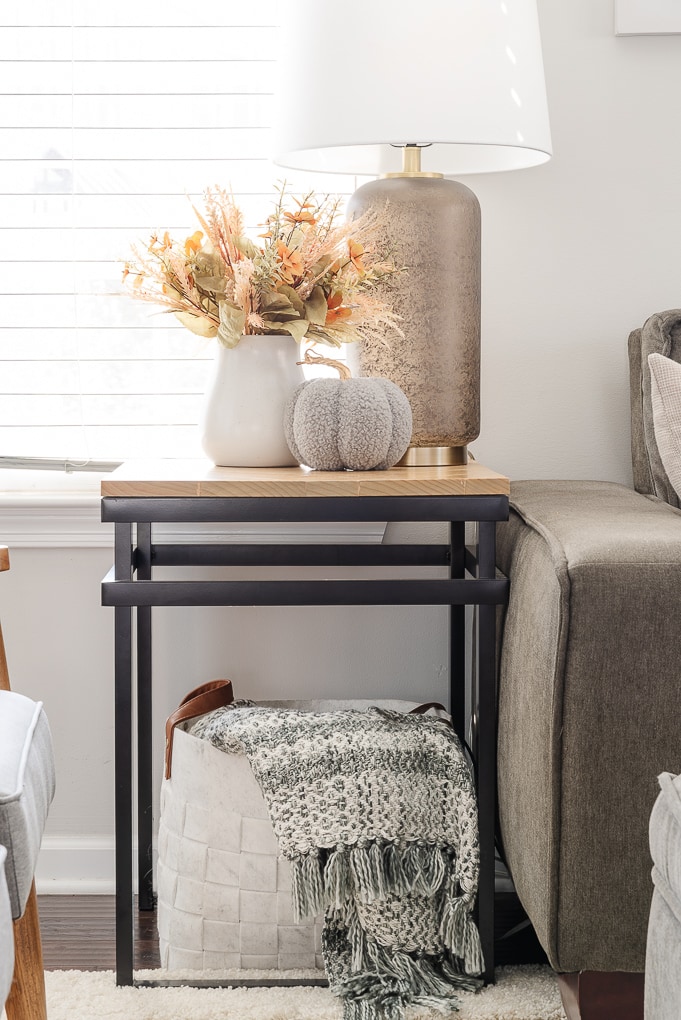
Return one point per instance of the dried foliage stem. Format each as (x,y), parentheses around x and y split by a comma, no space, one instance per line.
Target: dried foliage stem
(311,358)
(314,276)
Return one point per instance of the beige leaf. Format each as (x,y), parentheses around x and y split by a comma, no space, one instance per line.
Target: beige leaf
(293,297)
(297,329)
(316,307)
(246,247)
(212,284)
(232,321)
(284,316)
(272,301)
(320,267)
(198,324)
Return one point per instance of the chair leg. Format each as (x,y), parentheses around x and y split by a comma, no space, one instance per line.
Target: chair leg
(600,995)
(27,995)
(4,674)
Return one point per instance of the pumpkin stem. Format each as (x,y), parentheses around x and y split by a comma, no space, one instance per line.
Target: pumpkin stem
(317,359)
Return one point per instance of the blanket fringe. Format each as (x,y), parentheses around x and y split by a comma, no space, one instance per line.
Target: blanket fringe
(390,981)
(373,872)
(369,873)
(308,897)
(460,933)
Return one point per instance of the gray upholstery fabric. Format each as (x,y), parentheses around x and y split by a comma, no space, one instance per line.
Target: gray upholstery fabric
(663,957)
(589,710)
(660,334)
(665,399)
(6,934)
(26,789)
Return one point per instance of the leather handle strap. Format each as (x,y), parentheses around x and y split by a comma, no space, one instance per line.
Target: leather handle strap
(422,709)
(206,698)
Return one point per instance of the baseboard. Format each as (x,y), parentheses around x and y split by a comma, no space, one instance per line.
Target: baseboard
(76,865)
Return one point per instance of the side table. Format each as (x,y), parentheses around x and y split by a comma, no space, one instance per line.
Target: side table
(137,496)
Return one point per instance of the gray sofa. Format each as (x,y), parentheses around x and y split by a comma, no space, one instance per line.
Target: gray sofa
(590,704)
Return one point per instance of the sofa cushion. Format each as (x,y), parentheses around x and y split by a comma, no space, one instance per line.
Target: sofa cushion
(589,711)
(660,334)
(665,393)
(6,934)
(26,789)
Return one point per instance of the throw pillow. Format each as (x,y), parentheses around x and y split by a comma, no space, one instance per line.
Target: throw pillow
(665,394)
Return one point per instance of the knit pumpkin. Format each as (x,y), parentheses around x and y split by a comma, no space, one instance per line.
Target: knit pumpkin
(357,424)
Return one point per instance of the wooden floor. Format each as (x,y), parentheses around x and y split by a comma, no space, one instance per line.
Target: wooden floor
(79,934)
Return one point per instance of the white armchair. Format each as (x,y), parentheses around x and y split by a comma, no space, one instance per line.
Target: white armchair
(26,791)
(663,951)
(6,935)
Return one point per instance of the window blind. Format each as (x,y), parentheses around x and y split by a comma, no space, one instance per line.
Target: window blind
(113,118)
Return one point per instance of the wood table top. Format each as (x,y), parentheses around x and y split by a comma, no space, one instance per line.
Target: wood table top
(167,478)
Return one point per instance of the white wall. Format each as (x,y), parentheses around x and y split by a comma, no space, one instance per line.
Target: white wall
(575,255)
(580,251)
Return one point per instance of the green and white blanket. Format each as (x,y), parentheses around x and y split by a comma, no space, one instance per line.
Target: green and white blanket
(376,812)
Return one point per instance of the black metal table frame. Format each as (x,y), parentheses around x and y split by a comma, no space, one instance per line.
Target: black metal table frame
(130,584)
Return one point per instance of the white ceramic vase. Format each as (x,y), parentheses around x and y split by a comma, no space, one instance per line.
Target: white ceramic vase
(243,416)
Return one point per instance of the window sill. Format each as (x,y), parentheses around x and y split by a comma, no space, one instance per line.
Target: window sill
(40,520)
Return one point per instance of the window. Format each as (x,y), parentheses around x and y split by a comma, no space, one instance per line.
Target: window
(113,116)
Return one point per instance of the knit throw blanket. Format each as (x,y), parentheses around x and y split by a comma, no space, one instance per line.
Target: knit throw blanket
(376,812)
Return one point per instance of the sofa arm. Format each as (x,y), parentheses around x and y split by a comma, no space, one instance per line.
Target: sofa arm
(589,710)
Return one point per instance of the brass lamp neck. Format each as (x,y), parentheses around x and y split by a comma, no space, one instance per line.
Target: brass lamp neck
(411,163)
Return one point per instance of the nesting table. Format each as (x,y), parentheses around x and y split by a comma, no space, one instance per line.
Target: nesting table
(138,496)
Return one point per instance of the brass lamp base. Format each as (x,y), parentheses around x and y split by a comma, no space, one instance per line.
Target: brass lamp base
(434,456)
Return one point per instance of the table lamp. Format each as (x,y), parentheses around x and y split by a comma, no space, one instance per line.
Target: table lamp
(414,92)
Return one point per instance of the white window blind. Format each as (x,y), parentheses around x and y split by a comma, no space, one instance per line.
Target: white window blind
(111,115)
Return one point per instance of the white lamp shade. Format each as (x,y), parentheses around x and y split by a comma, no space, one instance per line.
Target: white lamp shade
(464,76)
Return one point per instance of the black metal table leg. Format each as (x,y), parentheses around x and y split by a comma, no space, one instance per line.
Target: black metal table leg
(486,747)
(457,632)
(145,813)
(123,763)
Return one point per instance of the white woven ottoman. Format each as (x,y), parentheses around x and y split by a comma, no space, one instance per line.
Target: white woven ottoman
(224,892)
(663,952)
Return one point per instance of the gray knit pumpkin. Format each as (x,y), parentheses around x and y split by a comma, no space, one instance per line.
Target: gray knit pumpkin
(358,424)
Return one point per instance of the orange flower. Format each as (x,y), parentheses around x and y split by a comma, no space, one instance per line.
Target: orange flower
(302,216)
(355,251)
(268,225)
(193,244)
(334,308)
(291,262)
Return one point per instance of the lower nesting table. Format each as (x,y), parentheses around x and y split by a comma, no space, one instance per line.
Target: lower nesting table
(137,496)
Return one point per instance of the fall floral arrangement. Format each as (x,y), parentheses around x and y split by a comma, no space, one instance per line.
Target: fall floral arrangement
(314,275)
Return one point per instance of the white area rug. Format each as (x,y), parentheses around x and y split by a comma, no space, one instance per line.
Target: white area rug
(521,993)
